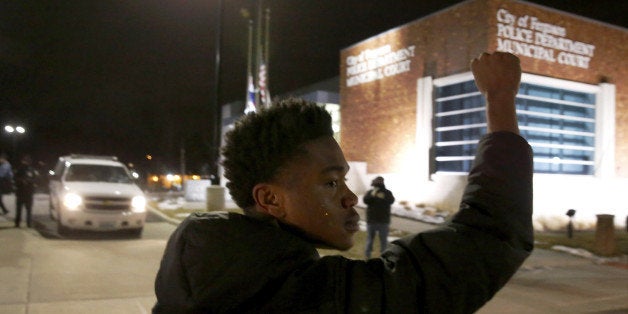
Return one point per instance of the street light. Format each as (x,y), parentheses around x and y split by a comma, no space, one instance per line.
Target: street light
(13,132)
(10,129)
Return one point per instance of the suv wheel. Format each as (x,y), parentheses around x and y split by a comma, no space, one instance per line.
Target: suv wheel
(135,233)
(61,229)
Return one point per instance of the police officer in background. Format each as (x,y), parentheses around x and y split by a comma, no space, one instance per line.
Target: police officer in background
(378,201)
(25,178)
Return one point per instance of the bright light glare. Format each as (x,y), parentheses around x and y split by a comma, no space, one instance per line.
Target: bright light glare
(155,178)
(72,201)
(138,204)
(11,129)
(135,175)
(173,177)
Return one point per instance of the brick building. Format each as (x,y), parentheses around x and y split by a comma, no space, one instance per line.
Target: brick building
(410,110)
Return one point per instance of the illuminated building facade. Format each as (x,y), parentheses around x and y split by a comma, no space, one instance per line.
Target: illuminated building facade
(410,110)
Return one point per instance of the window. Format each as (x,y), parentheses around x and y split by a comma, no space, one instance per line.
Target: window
(97,173)
(557,118)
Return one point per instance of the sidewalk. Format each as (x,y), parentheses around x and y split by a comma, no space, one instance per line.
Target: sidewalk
(540,258)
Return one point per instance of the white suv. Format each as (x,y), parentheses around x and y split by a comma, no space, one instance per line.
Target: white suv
(95,193)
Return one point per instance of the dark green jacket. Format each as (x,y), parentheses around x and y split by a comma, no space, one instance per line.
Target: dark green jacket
(229,263)
(378,209)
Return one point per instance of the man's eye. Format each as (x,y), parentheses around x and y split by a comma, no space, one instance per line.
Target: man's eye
(332,184)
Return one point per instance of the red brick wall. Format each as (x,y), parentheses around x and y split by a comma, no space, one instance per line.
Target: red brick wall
(379,117)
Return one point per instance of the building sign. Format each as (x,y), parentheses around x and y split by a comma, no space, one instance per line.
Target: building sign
(530,37)
(375,64)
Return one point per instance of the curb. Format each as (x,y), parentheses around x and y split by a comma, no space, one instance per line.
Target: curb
(163,216)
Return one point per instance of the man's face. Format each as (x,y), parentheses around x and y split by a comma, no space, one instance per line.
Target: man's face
(316,197)
(378,182)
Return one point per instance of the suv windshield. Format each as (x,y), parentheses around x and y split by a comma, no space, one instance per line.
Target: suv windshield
(97,173)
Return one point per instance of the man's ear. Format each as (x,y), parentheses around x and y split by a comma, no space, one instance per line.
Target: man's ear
(268,200)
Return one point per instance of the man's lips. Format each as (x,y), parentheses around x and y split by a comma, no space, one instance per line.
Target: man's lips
(352,227)
(352,224)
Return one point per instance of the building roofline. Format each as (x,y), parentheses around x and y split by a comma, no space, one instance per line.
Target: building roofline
(584,18)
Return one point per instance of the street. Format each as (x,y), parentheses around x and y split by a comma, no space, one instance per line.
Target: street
(42,272)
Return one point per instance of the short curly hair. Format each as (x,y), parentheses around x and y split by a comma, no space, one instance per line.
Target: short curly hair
(262,143)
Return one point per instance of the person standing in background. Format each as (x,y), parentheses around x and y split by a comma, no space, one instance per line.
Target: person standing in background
(6,180)
(25,178)
(378,201)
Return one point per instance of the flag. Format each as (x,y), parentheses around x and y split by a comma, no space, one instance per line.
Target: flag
(250,98)
(264,94)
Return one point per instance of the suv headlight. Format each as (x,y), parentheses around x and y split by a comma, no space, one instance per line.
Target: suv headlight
(138,204)
(72,201)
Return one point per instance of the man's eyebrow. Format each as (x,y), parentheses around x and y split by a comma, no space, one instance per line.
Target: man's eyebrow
(335,169)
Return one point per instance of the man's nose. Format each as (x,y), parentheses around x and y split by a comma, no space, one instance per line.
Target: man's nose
(350,199)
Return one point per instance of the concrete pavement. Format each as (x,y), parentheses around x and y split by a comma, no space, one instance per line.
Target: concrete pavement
(66,276)
(39,276)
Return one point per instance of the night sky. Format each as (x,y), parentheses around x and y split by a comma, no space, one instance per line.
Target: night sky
(136,77)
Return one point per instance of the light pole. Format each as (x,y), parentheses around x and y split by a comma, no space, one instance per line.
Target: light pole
(216,113)
(14,132)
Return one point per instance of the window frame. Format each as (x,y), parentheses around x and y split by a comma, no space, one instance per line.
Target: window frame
(597,119)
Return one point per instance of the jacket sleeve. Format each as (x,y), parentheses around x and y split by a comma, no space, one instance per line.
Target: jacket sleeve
(390,199)
(368,197)
(458,267)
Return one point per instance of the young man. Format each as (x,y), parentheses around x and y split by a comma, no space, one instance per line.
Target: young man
(378,201)
(287,172)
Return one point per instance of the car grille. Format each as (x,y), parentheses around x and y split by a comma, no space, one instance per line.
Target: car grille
(107,203)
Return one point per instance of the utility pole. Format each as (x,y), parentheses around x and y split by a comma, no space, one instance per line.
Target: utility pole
(216,116)
(182,161)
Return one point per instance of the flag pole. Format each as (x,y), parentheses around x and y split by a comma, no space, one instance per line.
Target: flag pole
(249,99)
(266,57)
(258,49)
(249,56)
(266,33)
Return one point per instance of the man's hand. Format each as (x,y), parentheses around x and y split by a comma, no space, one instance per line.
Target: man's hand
(499,72)
(497,76)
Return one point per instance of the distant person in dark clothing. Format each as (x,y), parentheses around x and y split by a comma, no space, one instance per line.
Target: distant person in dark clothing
(378,201)
(25,178)
(6,180)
